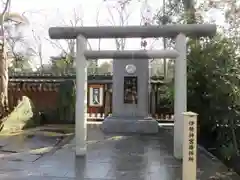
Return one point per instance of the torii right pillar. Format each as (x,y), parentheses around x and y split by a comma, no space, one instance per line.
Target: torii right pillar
(180,93)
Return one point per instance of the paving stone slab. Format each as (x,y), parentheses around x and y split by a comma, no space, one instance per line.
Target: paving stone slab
(21,143)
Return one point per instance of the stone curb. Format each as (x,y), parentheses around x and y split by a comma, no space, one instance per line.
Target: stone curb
(202,149)
(26,131)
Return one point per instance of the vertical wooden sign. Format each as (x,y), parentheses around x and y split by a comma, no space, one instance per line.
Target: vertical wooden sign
(96,95)
(190,146)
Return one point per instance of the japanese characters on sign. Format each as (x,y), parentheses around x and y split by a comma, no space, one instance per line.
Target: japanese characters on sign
(191,139)
(189,169)
(130,90)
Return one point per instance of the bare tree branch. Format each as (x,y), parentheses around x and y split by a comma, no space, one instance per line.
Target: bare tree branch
(6,7)
(77,20)
(37,50)
(121,8)
(111,15)
(13,40)
(97,23)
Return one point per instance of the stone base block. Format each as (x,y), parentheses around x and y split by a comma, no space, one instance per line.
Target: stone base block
(129,125)
(81,151)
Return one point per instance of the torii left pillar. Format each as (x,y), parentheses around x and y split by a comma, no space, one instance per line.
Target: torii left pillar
(81,95)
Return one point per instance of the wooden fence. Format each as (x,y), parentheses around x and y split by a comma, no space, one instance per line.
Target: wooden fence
(44,94)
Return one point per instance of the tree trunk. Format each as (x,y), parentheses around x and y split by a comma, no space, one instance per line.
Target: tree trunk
(189,11)
(3,81)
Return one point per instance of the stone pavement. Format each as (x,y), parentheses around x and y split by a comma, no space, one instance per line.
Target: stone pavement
(114,158)
(32,144)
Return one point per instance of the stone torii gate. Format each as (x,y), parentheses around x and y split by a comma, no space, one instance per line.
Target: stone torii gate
(180,32)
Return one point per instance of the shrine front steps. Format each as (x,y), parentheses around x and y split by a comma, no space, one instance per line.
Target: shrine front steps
(138,125)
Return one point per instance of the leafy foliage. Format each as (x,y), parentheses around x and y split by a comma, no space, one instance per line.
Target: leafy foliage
(213,93)
(165,98)
(20,63)
(213,73)
(66,101)
(213,88)
(62,64)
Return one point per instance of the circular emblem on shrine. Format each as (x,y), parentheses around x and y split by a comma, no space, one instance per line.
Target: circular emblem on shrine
(130,68)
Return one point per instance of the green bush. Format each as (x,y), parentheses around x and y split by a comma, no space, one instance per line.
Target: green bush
(66,102)
(213,92)
(213,88)
(165,98)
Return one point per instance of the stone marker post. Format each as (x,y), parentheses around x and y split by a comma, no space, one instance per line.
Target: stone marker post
(189,165)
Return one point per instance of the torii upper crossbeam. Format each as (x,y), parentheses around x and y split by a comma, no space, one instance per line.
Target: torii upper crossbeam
(192,30)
